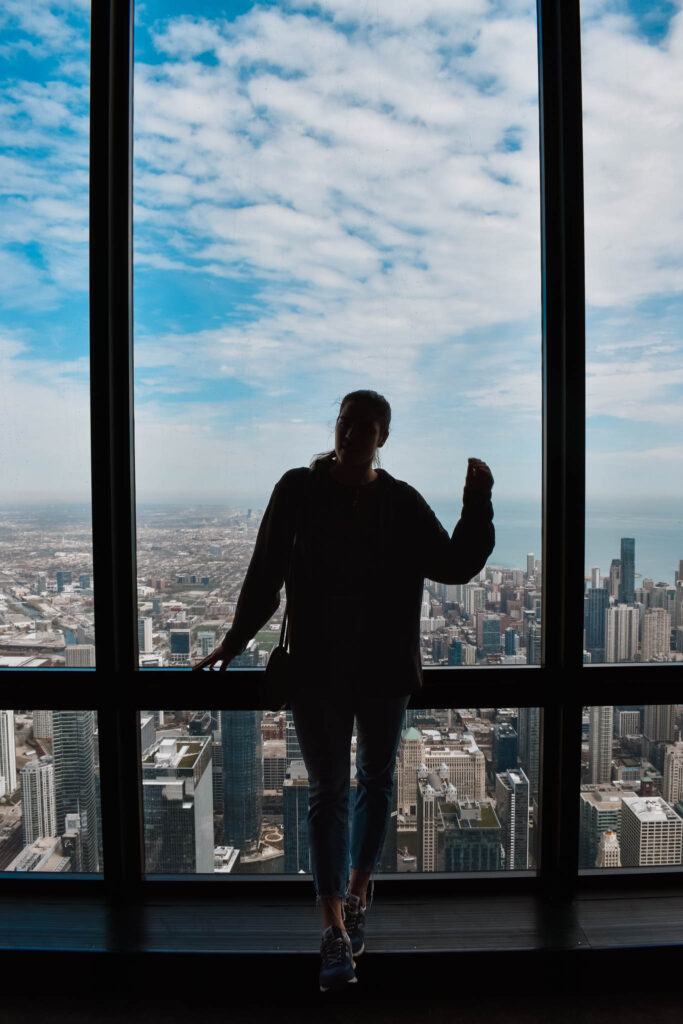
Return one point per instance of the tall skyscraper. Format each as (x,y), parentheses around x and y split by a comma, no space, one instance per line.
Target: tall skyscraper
(660,722)
(600,810)
(614,578)
(73,745)
(628,570)
(596,603)
(180,647)
(595,577)
(145,644)
(529,727)
(512,808)
(600,743)
(621,633)
(411,754)
(8,754)
(38,813)
(295,818)
(656,634)
(504,747)
(242,777)
(529,565)
(672,788)
(178,806)
(42,725)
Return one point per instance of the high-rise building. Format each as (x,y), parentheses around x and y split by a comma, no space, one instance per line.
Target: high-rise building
(600,743)
(651,832)
(529,728)
(504,747)
(411,752)
(512,808)
(621,633)
(38,814)
(614,578)
(145,645)
(678,603)
(295,818)
(596,603)
(600,811)
(659,724)
(672,789)
(628,722)
(656,634)
(595,577)
(489,642)
(533,643)
(180,647)
(678,575)
(609,853)
(63,577)
(242,778)
(511,638)
(42,725)
(73,746)
(178,806)
(206,641)
(628,570)
(529,565)
(8,754)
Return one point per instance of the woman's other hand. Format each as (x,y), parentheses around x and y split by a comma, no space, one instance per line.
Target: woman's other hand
(479,479)
(221,653)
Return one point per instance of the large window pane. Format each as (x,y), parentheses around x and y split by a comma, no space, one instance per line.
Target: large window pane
(633,132)
(632,787)
(227,792)
(330,198)
(46,606)
(50,792)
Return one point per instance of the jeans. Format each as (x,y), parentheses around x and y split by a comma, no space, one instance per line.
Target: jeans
(324,724)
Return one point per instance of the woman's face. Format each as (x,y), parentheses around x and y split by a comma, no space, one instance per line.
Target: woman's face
(357,434)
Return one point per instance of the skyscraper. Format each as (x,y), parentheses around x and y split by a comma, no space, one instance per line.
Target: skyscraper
(656,634)
(38,815)
(73,735)
(596,603)
(621,633)
(614,578)
(242,777)
(609,853)
(628,570)
(512,807)
(529,726)
(178,806)
(672,788)
(8,756)
(145,635)
(600,743)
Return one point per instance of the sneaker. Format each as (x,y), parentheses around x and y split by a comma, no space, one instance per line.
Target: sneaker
(337,968)
(354,922)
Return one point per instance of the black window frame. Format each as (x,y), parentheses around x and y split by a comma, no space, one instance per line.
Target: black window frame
(561,686)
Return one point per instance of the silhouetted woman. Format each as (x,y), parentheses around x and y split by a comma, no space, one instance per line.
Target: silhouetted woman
(354,546)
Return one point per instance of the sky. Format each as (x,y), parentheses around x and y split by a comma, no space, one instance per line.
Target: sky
(337,195)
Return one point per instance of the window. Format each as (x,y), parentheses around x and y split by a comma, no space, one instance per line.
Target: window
(119,725)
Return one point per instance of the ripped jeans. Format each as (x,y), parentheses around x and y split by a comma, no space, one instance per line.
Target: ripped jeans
(324,725)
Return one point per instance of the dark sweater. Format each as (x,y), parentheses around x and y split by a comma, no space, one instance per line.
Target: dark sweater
(359,558)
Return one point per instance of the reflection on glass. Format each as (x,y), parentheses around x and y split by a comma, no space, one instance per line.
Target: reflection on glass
(227,792)
(632,786)
(326,201)
(46,595)
(49,792)
(634,255)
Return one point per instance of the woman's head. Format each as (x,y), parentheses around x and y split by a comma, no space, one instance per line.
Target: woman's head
(362,426)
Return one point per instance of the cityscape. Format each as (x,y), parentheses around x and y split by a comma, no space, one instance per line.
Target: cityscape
(227,791)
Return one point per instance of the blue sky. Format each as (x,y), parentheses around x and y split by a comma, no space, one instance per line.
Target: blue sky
(341,195)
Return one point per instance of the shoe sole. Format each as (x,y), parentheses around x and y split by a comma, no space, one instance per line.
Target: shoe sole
(329,988)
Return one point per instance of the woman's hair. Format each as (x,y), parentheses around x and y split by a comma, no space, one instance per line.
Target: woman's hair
(381,411)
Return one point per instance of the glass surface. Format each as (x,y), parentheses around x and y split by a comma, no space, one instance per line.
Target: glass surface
(632,786)
(633,131)
(50,792)
(226,792)
(46,595)
(330,198)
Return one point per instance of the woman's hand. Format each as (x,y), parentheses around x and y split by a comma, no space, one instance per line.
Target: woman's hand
(479,479)
(221,653)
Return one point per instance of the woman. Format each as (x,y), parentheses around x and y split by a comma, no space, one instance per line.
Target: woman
(354,546)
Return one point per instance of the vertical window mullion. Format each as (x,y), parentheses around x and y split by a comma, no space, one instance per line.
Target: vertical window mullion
(562,255)
(113,491)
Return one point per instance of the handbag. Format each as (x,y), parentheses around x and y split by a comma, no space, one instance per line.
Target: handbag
(277,678)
